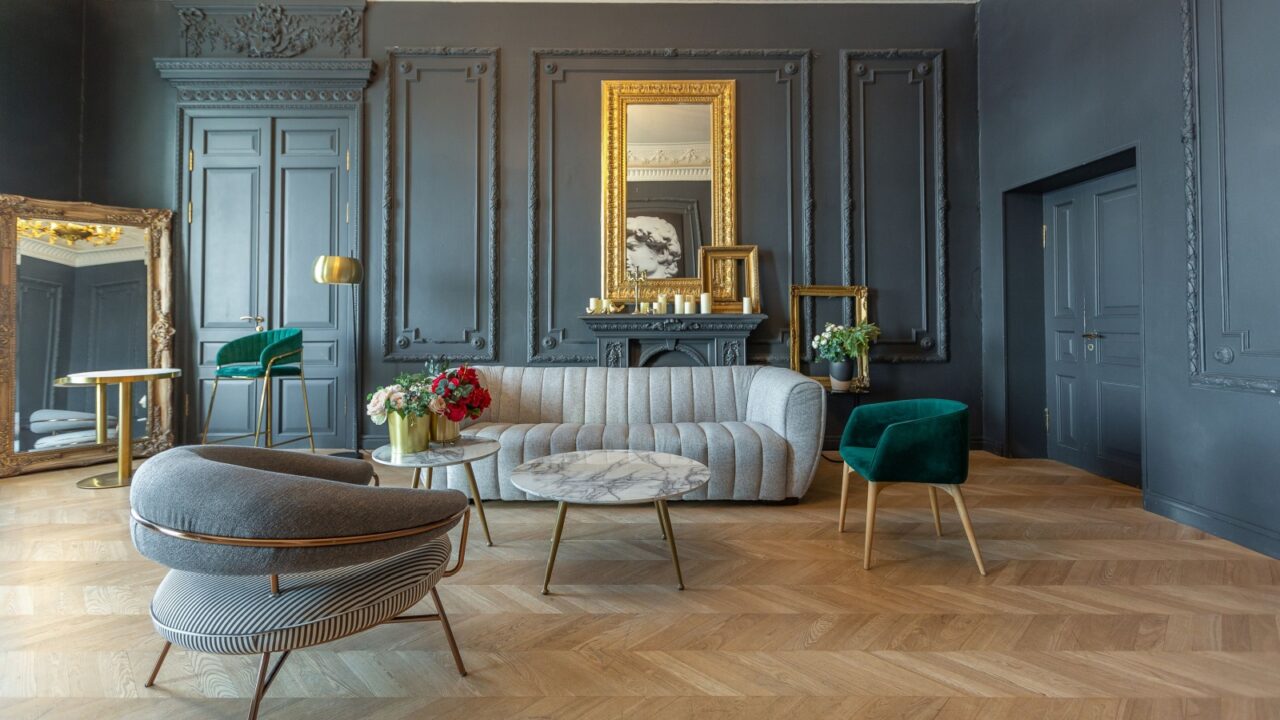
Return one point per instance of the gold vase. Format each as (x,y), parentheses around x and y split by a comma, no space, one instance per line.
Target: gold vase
(409,434)
(444,430)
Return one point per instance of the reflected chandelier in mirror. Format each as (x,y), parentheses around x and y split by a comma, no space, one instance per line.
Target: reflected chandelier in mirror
(83,287)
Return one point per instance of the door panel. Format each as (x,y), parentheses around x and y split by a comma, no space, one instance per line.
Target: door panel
(1093,326)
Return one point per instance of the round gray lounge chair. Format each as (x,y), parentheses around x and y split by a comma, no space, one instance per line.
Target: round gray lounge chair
(272,551)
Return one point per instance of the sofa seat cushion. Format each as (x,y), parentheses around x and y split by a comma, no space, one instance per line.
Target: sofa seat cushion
(748,460)
(238,614)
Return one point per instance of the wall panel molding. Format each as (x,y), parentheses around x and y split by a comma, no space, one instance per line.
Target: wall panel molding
(923,70)
(549,338)
(403,337)
(1222,354)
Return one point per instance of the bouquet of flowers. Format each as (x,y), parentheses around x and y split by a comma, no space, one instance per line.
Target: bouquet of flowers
(410,394)
(456,394)
(841,343)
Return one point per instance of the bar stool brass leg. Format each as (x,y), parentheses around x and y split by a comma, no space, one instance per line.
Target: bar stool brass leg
(555,545)
(208,416)
(262,406)
(270,391)
(475,495)
(306,407)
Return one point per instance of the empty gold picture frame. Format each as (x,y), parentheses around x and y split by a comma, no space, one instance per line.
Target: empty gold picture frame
(722,285)
(862,380)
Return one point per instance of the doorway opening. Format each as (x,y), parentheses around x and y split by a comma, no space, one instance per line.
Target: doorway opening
(1073,296)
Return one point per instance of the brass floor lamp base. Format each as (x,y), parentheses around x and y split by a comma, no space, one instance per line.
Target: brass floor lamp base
(103,481)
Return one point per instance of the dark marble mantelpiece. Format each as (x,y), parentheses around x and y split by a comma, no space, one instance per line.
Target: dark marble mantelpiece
(648,340)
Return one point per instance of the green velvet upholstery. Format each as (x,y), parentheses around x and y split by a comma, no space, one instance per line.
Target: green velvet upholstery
(247,357)
(924,441)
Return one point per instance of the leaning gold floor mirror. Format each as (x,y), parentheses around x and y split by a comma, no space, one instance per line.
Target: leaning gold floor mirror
(667,176)
(83,287)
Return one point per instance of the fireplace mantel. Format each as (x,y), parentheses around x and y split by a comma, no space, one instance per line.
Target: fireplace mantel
(644,340)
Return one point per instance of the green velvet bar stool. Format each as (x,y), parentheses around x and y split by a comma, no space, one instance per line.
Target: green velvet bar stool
(262,355)
(909,441)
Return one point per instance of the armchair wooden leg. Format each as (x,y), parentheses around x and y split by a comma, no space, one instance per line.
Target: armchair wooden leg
(954,491)
(873,490)
(933,504)
(844,497)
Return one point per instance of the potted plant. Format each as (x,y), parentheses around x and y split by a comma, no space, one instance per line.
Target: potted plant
(841,346)
(455,395)
(405,406)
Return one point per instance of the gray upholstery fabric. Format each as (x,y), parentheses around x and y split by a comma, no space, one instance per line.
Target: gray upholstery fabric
(759,429)
(260,493)
(232,615)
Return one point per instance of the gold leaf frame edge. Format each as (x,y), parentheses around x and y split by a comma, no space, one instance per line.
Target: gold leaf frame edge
(160,393)
(615,96)
(862,380)
(749,255)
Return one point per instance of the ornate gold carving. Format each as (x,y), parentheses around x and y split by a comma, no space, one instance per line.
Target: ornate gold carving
(719,281)
(616,95)
(862,381)
(159,434)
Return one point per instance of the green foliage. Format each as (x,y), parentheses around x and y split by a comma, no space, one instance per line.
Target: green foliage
(839,343)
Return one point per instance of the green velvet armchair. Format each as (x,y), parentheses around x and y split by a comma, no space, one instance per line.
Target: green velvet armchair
(909,441)
(268,354)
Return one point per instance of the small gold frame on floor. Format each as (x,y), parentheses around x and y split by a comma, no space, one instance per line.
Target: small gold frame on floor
(858,293)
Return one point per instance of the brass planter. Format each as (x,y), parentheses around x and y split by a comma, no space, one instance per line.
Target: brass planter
(409,434)
(444,430)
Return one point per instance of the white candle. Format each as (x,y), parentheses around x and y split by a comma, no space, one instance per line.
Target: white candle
(689,307)
(662,305)
(679,304)
(746,306)
(644,307)
(593,304)
(706,303)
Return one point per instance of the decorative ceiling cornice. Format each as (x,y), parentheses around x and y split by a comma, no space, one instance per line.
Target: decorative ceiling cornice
(78,259)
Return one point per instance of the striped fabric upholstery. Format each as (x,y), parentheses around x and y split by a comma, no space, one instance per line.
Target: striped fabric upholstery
(238,614)
(759,429)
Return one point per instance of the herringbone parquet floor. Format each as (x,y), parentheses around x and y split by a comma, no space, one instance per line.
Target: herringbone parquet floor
(1093,609)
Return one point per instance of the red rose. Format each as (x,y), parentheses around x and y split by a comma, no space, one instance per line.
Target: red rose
(479,398)
(455,412)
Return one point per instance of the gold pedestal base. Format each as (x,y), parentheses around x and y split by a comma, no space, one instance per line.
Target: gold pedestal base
(102,482)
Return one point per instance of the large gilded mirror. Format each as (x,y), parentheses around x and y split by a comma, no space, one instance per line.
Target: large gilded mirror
(667,161)
(83,287)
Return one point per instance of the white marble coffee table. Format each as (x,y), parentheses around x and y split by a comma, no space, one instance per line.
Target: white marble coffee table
(611,477)
(463,452)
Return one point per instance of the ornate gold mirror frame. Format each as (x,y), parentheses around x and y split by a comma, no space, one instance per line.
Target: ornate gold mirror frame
(616,95)
(155,226)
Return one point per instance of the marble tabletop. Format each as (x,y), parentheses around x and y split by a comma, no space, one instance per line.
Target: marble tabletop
(610,477)
(467,449)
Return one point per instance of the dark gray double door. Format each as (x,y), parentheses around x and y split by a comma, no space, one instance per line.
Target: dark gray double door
(268,195)
(1093,314)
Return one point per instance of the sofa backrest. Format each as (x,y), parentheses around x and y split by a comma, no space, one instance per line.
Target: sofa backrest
(616,396)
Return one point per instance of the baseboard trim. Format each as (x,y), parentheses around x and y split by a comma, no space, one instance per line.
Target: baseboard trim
(1254,537)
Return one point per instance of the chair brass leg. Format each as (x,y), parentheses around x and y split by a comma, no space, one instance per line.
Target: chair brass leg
(844,497)
(417,473)
(661,523)
(262,405)
(555,545)
(873,490)
(475,496)
(306,407)
(431,476)
(270,391)
(164,652)
(448,633)
(208,416)
(272,675)
(933,504)
(954,491)
(261,687)
(377,482)
(665,515)
(275,584)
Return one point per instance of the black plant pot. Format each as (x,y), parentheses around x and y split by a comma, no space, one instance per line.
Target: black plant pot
(841,375)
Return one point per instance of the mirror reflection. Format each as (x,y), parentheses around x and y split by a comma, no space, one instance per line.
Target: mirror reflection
(669,187)
(81,306)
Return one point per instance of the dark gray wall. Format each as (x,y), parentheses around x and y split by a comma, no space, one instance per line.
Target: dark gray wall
(40,62)
(1063,84)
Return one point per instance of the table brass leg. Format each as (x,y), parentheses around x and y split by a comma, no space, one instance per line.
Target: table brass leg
(555,545)
(661,523)
(431,476)
(475,495)
(100,413)
(124,444)
(671,541)
(417,473)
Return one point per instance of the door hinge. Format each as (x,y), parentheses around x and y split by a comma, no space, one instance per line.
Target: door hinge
(348,159)
(191,160)
(1044,236)
(348,212)
(189,211)
(1046,421)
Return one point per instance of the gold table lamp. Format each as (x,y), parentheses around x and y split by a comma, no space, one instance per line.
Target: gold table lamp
(342,270)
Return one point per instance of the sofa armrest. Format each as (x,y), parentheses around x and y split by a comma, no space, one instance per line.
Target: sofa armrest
(795,407)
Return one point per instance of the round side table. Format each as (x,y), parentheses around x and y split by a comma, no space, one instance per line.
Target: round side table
(124,431)
(463,452)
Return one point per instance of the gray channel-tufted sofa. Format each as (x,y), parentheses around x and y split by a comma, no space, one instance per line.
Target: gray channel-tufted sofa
(759,429)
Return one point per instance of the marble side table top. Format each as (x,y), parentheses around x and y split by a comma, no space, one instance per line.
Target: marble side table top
(467,449)
(610,477)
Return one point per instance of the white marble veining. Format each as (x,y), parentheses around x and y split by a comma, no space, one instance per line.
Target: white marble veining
(610,477)
(467,449)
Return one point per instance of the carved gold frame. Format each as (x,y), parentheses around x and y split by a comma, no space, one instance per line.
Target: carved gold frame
(862,380)
(615,96)
(155,223)
(749,255)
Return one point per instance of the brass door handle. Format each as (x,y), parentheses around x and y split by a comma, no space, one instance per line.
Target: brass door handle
(258,319)
(1091,335)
